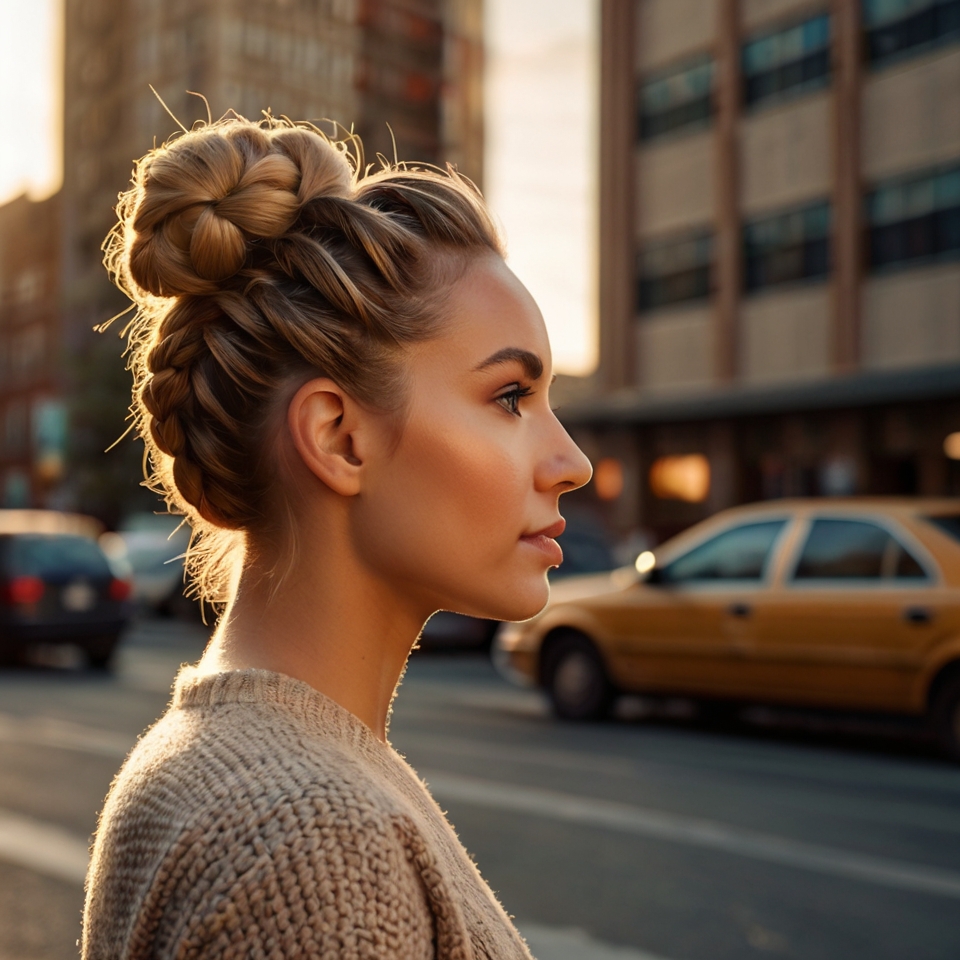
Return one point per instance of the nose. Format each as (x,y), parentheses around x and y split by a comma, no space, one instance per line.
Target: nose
(563,466)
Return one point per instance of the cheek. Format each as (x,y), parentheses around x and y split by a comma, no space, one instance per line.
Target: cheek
(451,496)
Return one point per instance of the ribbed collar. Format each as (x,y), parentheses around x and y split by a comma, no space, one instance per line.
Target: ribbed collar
(313,708)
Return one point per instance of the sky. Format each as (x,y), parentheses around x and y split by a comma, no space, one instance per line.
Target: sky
(30,79)
(540,163)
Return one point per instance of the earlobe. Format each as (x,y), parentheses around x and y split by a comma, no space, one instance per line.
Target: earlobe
(321,432)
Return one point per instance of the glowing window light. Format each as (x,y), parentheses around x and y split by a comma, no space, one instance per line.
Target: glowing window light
(681,478)
(608,478)
(951,446)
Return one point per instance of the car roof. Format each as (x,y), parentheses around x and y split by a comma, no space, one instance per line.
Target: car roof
(905,506)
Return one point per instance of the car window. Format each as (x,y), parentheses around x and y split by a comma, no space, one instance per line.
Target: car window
(57,558)
(738,554)
(855,550)
(949,524)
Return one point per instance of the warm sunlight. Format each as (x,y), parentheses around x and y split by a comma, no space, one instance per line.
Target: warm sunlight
(30,79)
(541,156)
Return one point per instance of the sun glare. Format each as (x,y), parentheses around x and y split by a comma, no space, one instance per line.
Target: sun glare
(31,77)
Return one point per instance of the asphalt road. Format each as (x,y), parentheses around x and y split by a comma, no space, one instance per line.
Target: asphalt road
(637,839)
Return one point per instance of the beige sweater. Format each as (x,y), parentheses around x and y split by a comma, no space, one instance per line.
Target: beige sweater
(260,819)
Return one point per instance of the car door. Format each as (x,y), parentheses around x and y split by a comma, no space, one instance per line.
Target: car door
(683,631)
(848,624)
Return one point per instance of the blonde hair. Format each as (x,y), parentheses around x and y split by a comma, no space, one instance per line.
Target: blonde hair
(258,256)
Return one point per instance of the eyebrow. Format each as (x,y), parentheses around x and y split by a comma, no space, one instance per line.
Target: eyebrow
(531,363)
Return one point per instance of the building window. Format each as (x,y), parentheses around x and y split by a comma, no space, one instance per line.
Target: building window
(674,271)
(682,98)
(915,219)
(793,60)
(790,246)
(896,27)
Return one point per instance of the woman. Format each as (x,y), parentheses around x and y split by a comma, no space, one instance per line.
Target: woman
(343,389)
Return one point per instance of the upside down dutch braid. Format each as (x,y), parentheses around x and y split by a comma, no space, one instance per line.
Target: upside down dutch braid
(260,255)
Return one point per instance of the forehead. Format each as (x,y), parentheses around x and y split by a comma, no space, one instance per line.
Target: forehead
(488,310)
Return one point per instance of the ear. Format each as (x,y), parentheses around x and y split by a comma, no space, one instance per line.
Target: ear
(320,418)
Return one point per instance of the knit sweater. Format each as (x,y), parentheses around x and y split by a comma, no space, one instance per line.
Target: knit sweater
(260,819)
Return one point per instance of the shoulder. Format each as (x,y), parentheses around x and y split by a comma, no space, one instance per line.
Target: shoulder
(240,817)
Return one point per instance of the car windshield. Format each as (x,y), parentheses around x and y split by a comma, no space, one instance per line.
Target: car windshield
(737,554)
(56,558)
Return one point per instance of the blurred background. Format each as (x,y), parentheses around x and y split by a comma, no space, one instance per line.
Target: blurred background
(741,219)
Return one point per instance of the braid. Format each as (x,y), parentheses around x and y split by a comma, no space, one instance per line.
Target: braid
(259,257)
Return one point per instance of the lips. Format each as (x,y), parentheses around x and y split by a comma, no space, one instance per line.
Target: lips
(554,530)
(543,540)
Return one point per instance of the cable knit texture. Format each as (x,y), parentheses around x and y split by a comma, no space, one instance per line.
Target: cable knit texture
(260,819)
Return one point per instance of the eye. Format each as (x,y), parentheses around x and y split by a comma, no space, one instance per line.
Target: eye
(510,399)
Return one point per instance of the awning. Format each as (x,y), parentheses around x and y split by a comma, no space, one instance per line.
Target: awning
(872,388)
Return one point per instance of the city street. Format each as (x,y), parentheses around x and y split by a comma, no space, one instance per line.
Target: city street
(633,840)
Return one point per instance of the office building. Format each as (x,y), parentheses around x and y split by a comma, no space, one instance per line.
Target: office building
(404,74)
(780,254)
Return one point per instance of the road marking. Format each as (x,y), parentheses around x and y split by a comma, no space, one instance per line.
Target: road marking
(693,831)
(557,943)
(53,852)
(943,817)
(42,847)
(641,821)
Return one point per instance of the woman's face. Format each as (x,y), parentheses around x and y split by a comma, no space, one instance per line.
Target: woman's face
(454,513)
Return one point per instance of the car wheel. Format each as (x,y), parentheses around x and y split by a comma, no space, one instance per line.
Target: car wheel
(576,680)
(946,717)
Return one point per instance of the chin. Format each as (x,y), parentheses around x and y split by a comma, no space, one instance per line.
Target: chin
(514,603)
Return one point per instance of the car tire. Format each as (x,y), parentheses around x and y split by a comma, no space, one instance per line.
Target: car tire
(576,680)
(946,717)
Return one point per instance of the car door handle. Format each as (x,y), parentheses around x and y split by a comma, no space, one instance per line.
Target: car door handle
(740,610)
(917,615)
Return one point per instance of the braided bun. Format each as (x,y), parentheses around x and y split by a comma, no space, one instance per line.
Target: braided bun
(259,257)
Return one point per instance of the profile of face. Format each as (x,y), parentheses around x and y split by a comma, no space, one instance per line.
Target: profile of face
(459,512)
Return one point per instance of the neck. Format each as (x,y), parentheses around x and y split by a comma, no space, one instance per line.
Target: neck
(329,623)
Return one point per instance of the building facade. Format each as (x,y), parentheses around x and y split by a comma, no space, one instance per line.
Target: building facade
(404,74)
(780,253)
(32,426)
(396,71)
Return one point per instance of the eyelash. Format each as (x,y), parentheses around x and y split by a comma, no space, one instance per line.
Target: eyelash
(513,396)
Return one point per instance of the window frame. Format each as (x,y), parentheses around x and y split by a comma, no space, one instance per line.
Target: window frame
(902,536)
(921,216)
(643,281)
(877,63)
(699,124)
(804,247)
(804,87)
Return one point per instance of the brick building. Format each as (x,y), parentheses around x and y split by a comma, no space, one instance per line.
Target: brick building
(780,253)
(31,414)
(412,64)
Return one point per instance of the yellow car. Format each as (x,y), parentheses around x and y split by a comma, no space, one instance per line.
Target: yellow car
(851,604)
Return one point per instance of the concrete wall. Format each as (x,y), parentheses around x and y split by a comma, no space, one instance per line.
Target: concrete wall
(675,349)
(785,334)
(759,14)
(912,318)
(786,154)
(668,30)
(911,115)
(675,184)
